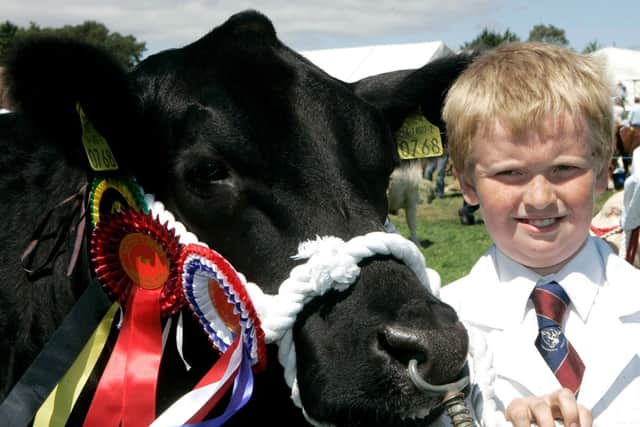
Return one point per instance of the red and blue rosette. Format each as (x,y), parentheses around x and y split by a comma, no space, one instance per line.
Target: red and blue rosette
(136,259)
(219,300)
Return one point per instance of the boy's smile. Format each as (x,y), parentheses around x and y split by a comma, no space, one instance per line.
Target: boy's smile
(540,225)
(536,191)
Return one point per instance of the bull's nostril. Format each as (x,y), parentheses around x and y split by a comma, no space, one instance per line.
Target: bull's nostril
(404,344)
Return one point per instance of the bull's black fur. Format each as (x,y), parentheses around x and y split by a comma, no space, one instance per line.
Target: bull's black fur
(254,149)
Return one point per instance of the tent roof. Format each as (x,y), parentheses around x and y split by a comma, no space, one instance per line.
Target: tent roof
(623,64)
(354,63)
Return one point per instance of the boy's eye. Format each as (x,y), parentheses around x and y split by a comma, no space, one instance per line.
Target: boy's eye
(565,168)
(510,172)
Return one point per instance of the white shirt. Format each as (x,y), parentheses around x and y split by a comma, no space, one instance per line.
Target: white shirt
(602,323)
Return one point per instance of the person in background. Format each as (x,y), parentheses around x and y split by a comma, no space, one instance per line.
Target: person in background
(439,166)
(634,113)
(466,213)
(559,310)
(620,98)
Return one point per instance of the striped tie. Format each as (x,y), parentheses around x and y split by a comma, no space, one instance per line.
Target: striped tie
(551,302)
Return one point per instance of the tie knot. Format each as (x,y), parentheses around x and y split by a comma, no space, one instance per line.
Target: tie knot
(550,301)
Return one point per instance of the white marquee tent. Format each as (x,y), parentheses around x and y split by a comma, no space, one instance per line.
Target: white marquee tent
(353,63)
(623,66)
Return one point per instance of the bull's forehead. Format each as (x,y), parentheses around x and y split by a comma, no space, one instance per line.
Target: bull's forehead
(240,60)
(239,93)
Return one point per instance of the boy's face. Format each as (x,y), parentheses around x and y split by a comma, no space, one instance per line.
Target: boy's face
(536,192)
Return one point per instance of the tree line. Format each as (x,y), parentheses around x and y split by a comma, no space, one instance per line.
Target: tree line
(126,49)
(539,33)
(129,50)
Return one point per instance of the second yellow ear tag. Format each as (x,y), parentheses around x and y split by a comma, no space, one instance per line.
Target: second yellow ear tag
(418,138)
(98,152)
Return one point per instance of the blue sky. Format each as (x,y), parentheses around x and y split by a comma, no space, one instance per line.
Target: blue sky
(317,24)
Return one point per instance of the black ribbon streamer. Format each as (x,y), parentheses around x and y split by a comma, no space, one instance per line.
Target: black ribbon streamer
(26,397)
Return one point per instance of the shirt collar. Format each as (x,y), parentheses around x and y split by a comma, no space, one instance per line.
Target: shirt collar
(581,278)
(515,283)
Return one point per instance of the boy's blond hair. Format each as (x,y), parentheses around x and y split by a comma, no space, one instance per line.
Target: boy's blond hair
(520,84)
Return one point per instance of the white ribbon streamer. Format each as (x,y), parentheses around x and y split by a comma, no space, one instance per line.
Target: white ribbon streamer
(188,405)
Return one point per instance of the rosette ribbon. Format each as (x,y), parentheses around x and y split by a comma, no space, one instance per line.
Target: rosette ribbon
(218,298)
(135,259)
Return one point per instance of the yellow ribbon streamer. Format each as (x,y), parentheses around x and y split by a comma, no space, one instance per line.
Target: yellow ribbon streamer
(55,411)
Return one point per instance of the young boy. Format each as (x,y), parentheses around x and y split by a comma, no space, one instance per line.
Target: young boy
(529,127)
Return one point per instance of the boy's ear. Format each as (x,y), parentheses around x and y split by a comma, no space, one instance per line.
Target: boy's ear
(468,189)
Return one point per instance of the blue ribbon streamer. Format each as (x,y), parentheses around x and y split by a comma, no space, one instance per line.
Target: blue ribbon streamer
(242,390)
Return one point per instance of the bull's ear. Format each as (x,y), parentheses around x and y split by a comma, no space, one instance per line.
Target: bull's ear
(48,80)
(398,94)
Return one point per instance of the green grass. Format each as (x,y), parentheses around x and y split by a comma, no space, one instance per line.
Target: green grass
(449,247)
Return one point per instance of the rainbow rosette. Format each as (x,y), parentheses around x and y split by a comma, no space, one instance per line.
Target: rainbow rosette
(218,298)
(136,259)
(110,195)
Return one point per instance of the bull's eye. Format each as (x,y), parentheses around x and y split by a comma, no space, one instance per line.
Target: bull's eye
(202,175)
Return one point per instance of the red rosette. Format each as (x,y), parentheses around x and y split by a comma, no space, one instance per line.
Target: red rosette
(131,248)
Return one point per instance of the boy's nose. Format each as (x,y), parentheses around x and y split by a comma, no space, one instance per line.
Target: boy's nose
(539,192)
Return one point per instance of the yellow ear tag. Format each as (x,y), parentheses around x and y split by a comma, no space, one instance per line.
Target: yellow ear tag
(418,138)
(98,152)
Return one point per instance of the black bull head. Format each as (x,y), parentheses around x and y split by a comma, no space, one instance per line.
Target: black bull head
(254,149)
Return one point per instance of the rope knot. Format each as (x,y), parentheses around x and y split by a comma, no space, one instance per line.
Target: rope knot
(329,263)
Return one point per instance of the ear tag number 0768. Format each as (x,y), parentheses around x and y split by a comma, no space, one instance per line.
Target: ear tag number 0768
(98,152)
(418,138)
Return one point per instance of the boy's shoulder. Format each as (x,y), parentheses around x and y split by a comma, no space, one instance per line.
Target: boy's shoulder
(485,265)
(623,280)
(468,285)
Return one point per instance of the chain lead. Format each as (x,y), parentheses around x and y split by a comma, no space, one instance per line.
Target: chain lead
(458,411)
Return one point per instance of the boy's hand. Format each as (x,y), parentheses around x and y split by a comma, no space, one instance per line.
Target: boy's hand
(559,405)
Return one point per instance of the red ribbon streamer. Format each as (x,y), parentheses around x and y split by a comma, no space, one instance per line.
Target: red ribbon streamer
(215,373)
(127,390)
(143,361)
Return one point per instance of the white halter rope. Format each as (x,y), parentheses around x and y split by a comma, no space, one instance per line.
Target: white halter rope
(483,376)
(333,264)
